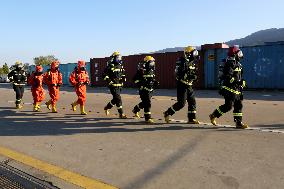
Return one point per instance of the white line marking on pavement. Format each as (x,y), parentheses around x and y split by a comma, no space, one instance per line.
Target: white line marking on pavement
(230,126)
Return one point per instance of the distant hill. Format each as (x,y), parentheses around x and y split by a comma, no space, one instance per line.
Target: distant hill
(257,38)
(260,37)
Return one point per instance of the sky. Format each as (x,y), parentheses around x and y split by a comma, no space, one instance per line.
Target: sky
(84,29)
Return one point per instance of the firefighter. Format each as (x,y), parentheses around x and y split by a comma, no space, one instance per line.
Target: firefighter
(145,80)
(18,78)
(79,78)
(114,75)
(53,80)
(186,74)
(232,84)
(36,82)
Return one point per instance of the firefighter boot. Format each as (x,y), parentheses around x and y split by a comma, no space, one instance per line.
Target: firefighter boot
(193,121)
(241,125)
(150,121)
(213,119)
(74,106)
(54,110)
(122,116)
(82,108)
(167,117)
(48,105)
(107,111)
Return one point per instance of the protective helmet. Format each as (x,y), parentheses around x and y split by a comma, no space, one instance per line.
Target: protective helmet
(116,57)
(190,52)
(38,68)
(148,59)
(116,53)
(150,63)
(81,65)
(54,65)
(18,64)
(235,51)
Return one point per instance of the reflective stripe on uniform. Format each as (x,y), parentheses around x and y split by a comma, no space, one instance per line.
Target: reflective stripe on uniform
(192,112)
(119,107)
(116,70)
(185,82)
(231,90)
(220,112)
(117,85)
(106,77)
(149,75)
(238,70)
(147,113)
(238,114)
(111,103)
(147,89)
(173,109)
(192,67)
(137,81)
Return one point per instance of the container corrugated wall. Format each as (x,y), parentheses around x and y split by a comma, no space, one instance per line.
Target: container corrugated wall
(165,69)
(263,66)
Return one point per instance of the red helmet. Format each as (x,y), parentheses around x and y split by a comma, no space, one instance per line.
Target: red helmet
(81,65)
(235,51)
(54,65)
(38,68)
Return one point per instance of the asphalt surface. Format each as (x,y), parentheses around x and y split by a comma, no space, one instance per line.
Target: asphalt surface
(131,155)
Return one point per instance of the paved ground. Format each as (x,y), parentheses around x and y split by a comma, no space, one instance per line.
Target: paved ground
(130,155)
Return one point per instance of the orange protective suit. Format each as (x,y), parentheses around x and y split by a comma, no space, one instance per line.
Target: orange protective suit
(79,78)
(36,82)
(53,79)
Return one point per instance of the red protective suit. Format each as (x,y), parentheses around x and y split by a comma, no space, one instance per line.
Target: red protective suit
(36,82)
(79,78)
(53,79)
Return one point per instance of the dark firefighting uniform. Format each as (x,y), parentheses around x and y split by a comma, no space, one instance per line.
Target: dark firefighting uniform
(114,75)
(146,82)
(232,84)
(18,77)
(186,74)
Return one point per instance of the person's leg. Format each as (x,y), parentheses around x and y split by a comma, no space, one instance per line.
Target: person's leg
(191,107)
(221,110)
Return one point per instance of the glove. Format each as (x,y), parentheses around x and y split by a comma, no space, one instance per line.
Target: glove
(110,83)
(244,83)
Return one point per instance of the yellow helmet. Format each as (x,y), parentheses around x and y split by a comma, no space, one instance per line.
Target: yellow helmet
(149,58)
(18,63)
(116,53)
(189,49)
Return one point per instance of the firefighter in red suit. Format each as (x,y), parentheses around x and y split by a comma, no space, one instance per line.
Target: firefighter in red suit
(36,82)
(53,79)
(79,78)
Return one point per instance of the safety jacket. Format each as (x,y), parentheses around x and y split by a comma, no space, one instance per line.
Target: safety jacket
(78,78)
(232,77)
(53,78)
(18,77)
(114,74)
(145,79)
(186,71)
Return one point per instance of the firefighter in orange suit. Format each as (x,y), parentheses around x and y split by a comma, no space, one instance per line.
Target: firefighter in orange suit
(36,82)
(79,78)
(53,79)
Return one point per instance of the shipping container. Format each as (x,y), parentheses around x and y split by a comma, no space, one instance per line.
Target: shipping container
(212,57)
(165,69)
(263,66)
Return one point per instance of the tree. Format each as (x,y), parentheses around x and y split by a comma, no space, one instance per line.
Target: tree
(5,68)
(44,60)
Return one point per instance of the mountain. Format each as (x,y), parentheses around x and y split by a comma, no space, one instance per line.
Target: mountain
(260,37)
(257,38)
